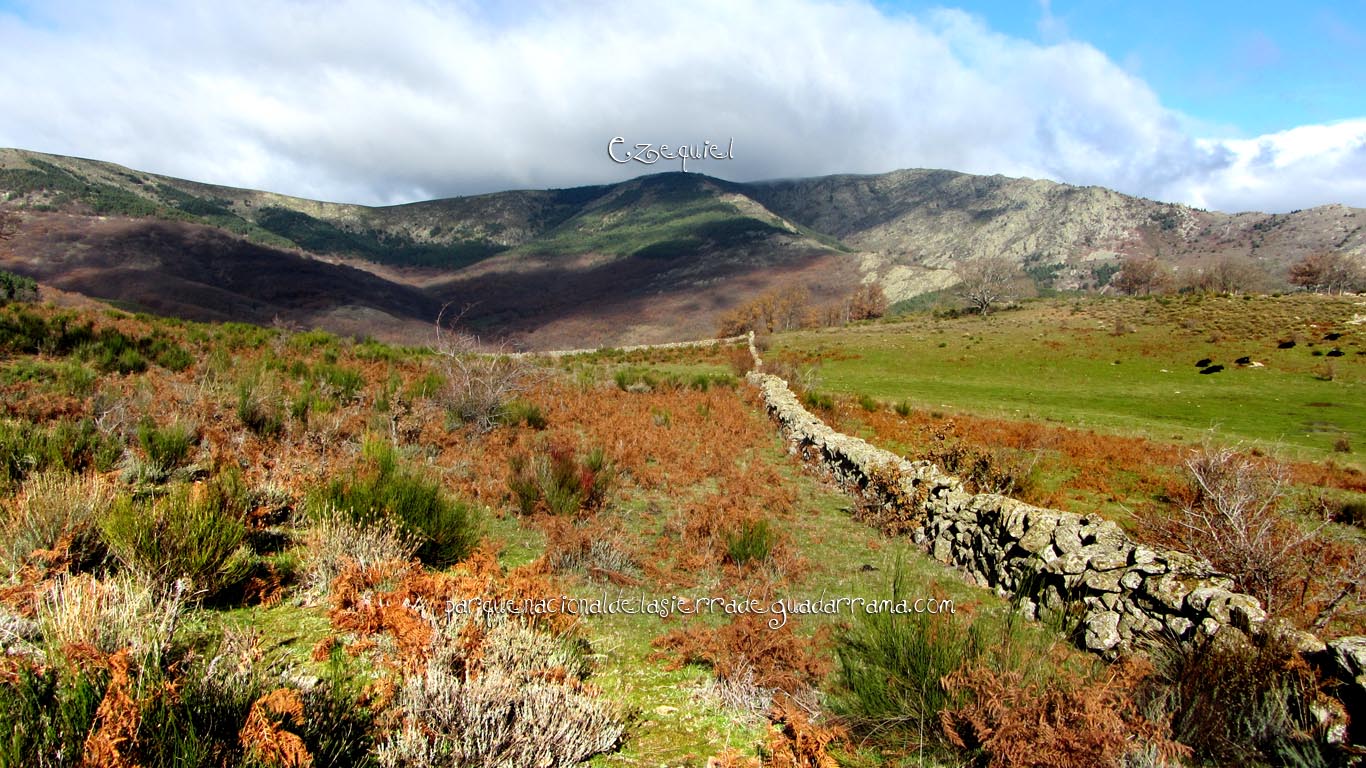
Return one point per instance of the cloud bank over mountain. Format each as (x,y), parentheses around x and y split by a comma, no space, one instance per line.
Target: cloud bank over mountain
(410,99)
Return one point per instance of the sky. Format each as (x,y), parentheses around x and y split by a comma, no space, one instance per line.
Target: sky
(1247,106)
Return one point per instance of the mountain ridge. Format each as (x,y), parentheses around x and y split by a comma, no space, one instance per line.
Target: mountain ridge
(657,257)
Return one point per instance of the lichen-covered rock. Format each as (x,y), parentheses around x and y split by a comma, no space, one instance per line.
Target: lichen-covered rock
(1102,632)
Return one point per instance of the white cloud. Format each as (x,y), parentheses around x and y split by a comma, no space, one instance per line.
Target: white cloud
(395,101)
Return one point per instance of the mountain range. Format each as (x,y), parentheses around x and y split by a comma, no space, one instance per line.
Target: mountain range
(656,258)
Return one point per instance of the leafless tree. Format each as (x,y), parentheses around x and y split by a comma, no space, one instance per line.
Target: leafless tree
(1141,275)
(1236,519)
(989,280)
(480,382)
(1328,272)
(1228,274)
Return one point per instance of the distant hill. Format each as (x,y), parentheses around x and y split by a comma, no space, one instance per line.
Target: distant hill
(657,258)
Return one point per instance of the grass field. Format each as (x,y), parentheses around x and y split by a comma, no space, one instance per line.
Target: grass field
(1124,366)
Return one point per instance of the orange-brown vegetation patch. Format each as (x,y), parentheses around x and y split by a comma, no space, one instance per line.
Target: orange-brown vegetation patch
(1030,725)
(778,658)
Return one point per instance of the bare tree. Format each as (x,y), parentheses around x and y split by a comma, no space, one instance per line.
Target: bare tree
(989,280)
(9,224)
(1230,274)
(1235,519)
(1141,275)
(479,382)
(1328,272)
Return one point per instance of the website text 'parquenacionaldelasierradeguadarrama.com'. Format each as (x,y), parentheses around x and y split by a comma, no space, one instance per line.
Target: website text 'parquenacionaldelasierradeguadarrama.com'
(779,611)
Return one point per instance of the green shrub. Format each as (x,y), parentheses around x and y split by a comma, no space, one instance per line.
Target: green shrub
(523,412)
(751,541)
(72,445)
(56,509)
(868,404)
(343,384)
(166,448)
(902,408)
(257,413)
(818,401)
(558,482)
(446,529)
(182,534)
(889,683)
(46,713)
(17,288)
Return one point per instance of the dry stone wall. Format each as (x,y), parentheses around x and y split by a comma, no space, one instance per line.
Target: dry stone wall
(1117,590)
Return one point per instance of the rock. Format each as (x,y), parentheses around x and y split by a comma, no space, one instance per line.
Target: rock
(1307,643)
(1107,559)
(1167,590)
(1179,625)
(1200,597)
(1102,581)
(1349,656)
(1142,556)
(665,710)
(1067,538)
(1102,632)
(1244,611)
(1131,580)
(1036,540)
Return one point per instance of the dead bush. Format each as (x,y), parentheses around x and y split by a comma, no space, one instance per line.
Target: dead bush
(497,719)
(747,649)
(1010,723)
(479,383)
(1235,516)
(888,504)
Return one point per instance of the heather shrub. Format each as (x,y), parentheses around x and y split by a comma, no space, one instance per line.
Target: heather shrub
(335,539)
(495,719)
(445,529)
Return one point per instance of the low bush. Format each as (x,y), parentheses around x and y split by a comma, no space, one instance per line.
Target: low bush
(523,412)
(75,446)
(890,682)
(189,532)
(335,539)
(165,448)
(558,482)
(751,541)
(446,530)
(46,714)
(259,413)
(818,401)
(112,614)
(1239,699)
(56,517)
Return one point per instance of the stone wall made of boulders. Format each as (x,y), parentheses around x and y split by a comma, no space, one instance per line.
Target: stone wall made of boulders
(1117,591)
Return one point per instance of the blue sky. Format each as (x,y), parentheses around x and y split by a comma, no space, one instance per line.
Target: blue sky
(1245,67)
(1250,106)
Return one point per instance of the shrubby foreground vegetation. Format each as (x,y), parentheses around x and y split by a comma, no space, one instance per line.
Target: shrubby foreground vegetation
(228,545)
